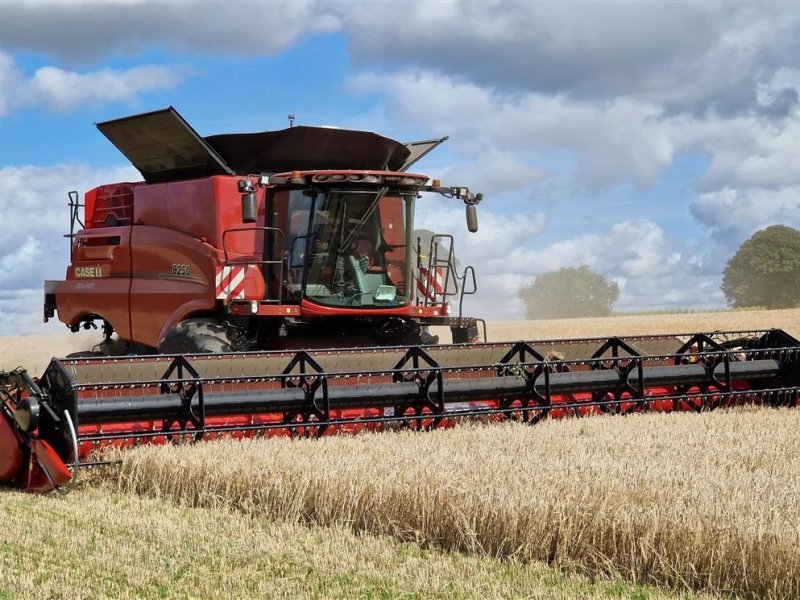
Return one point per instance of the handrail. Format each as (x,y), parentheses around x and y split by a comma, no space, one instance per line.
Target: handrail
(459,281)
(74,217)
(273,262)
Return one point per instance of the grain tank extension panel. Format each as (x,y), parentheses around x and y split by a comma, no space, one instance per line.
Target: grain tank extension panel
(164,147)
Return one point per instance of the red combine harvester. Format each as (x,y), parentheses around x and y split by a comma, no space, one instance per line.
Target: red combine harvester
(271,283)
(300,237)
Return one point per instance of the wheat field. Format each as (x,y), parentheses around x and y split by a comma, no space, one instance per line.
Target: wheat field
(692,502)
(788,319)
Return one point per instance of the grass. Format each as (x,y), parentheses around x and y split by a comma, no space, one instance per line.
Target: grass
(691,502)
(98,543)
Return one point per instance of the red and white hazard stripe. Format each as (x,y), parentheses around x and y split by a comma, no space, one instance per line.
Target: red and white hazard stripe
(430,284)
(230,282)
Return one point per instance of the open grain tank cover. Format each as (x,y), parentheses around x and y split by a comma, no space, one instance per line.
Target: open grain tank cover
(163,146)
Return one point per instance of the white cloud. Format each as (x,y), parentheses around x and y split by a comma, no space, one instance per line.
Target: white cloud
(752,178)
(647,52)
(643,51)
(494,171)
(79,31)
(732,215)
(61,90)
(491,251)
(612,142)
(66,90)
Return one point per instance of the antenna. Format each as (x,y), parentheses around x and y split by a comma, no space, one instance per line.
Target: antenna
(291,120)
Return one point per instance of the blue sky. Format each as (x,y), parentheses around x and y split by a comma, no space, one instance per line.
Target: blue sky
(647,140)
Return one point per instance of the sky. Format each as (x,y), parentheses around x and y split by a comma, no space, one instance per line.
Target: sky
(647,140)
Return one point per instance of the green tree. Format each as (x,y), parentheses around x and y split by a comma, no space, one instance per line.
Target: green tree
(765,271)
(569,292)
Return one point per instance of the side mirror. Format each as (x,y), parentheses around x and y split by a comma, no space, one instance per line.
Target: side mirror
(472,218)
(249,209)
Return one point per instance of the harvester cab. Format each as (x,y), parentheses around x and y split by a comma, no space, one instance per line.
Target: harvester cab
(296,238)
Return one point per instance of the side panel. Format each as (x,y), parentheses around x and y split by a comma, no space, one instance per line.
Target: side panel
(98,279)
(173,276)
(201,208)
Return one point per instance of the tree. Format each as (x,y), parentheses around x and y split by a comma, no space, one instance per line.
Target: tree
(765,271)
(569,292)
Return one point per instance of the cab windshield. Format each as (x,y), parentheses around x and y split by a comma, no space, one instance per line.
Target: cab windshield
(356,246)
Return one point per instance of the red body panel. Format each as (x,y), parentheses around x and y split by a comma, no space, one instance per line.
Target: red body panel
(107,254)
(159,297)
(200,208)
(147,276)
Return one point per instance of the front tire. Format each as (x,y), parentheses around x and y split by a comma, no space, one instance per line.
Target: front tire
(201,336)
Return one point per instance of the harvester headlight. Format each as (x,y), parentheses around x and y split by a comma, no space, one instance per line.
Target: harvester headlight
(372,178)
(339,177)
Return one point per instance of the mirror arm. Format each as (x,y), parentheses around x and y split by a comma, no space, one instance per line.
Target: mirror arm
(462,193)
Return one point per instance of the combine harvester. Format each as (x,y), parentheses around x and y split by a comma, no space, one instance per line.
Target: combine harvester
(270,283)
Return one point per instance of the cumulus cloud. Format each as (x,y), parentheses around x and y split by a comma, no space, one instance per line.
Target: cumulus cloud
(612,143)
(643,51)
(751,179)
(495,171)
(64,90)
(652,269)
(732,215)
(746,152)
(61,90)
(596,52)
(79,31)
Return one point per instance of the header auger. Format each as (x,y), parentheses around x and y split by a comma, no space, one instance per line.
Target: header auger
(271,284)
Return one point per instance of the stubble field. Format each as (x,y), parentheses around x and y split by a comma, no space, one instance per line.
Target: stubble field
(643,506)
